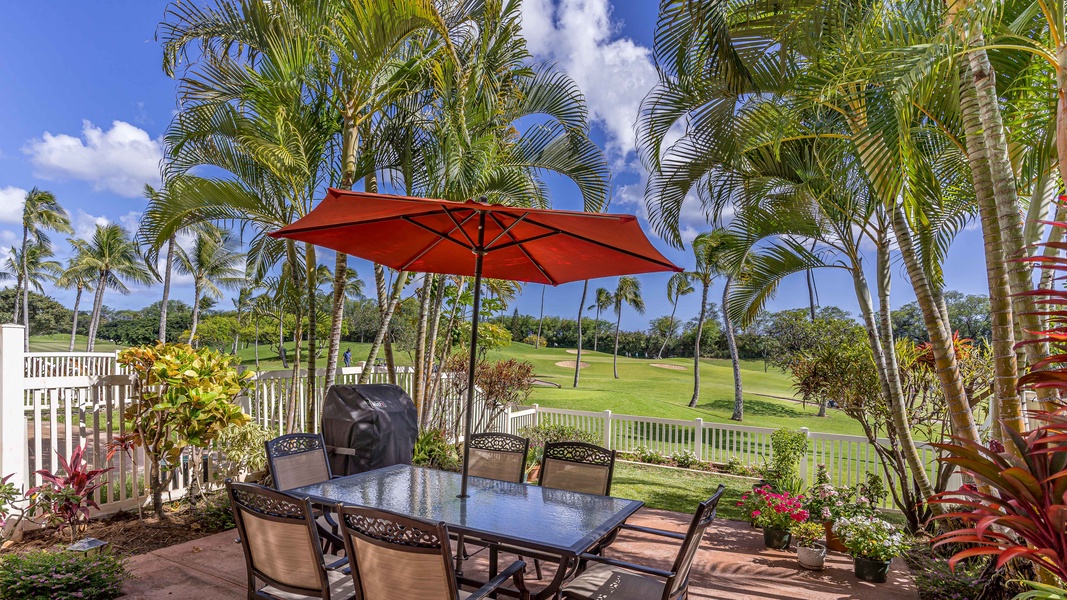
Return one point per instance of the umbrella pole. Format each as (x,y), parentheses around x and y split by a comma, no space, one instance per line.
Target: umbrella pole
(479,255)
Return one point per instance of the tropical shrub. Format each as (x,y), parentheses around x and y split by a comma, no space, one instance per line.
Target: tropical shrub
(788,448)
(184,397)
(807,533)
(434,451)
(63,500)
(778,511)
(12,507)
(870,537)
(501,384)
(61,576)
(242,448)
(736,467)
(1024,515)
(533,340)
(648,455)
(826,502)
(685,459)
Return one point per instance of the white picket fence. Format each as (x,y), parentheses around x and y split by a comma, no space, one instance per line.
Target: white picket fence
(848,458)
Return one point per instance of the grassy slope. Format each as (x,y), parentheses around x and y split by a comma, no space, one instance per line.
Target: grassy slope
(60,342)
(641,390)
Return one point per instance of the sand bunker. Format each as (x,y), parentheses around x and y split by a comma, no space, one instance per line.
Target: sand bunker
(666,366)
(572,351)
(570,364)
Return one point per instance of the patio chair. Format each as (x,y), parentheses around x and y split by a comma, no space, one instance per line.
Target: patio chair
(282,549)
(499,456)
(394,556)
(577,467)
(300,459)
(610,579)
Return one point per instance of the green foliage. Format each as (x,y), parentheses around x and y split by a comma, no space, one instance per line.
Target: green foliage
(490,336)
(61,576)
(185,398)
(46,315)
(242,448)
(434,451)
(806,533)
(937,581)
(685,459)
(12,505)
(647,455)
(736,467)
(533,340)
(788,447)
(1041,591)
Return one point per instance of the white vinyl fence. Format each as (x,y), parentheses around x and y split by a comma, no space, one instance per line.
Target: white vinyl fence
(848,458)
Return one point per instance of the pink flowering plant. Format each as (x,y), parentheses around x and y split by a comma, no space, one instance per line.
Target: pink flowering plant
(870,537)
(776,511)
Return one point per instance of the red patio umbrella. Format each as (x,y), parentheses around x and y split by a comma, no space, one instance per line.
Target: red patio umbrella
(478,239)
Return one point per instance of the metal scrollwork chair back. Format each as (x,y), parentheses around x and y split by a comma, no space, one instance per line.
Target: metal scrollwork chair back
(578,467)
(499,456)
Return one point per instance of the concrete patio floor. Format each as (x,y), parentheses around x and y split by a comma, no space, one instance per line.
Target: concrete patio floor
(731,565)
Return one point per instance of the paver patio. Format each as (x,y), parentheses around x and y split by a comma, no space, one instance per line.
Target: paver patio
(732,565)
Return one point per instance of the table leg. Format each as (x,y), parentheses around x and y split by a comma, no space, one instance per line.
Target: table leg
(494,557)
(460,551)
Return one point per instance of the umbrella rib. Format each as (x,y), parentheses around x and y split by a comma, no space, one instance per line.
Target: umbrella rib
(440,236)
(448,212)
(291,230)
(583,238)
(505,231)
(433,244)
(515,242)
(519,244)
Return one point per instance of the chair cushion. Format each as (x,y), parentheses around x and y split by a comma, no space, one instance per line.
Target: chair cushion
(604,582)
(342,587)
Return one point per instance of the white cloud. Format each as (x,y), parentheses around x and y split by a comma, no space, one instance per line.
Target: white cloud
(121,160)
(11,200)
(85,224)
(614,72)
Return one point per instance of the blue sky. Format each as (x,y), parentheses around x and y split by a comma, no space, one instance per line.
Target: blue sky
(85,101)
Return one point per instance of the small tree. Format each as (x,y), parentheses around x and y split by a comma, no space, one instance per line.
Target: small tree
(183,397)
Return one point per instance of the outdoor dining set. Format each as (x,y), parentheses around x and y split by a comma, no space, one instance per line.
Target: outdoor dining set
(406,532)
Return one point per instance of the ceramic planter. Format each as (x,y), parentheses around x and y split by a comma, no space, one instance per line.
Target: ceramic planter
(874,571)
(832,541)
(812,557)
(778,539)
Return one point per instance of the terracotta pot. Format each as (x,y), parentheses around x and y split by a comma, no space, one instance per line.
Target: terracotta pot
(813,557)
(777,539)
(832,541)
(874,571)
(533,474)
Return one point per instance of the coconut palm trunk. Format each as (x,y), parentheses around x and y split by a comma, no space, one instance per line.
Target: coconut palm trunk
(386,307)
(197,294)
(578,356)
(615,352)
(98,304)
(541,318)
(696,344)
(731,341)
(596,329)
(311,383)
(421,343)
(337,315)
(166,291)
(74,327)
(670,329)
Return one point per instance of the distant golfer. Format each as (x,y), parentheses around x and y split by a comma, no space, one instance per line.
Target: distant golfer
(348,357)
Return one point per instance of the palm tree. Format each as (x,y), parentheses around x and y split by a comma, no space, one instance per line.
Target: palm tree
(604,300)
(705,273)
(78,278)
(578,354)
(34,265)
(41,212)
(627,292)
(114,259)
(540,318)
(215,263)
(677,286)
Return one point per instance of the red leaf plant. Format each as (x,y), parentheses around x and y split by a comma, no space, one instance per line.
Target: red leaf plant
(64,500)
(1026,517)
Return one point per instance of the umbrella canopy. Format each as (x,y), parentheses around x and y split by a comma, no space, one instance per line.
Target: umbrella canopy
(438,236)
(478,239)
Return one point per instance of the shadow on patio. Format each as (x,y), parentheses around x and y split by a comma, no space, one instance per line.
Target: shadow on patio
(731,565)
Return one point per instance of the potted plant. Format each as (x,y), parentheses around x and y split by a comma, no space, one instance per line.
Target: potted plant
(828,503)
(811,551)
(752,504)
(778,514)
(873,544)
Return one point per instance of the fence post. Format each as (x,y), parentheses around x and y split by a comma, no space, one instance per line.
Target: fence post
(13,442)
(536,420)
(807,454)
(698,441)
(507,420)
(607,429)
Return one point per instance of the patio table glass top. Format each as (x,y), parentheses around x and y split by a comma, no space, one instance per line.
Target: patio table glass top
(557,521)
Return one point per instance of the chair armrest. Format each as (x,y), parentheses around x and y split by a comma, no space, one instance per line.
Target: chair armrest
(341,562)
(626,565)
(514,571)
(671,534)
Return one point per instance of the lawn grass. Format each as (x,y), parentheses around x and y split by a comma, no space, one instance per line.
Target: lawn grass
(60,342)
(677,490)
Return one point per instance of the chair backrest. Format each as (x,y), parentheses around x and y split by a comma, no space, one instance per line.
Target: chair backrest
(298,459)
(577,467)
(393,556)
(279,539)
(499,456)
(684,562)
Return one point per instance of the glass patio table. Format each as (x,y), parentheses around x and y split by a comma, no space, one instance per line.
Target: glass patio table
(519,516)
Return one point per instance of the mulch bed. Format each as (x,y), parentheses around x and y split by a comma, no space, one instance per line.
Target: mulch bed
(128,536)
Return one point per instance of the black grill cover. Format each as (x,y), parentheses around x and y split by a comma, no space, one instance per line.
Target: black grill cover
(368,427)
